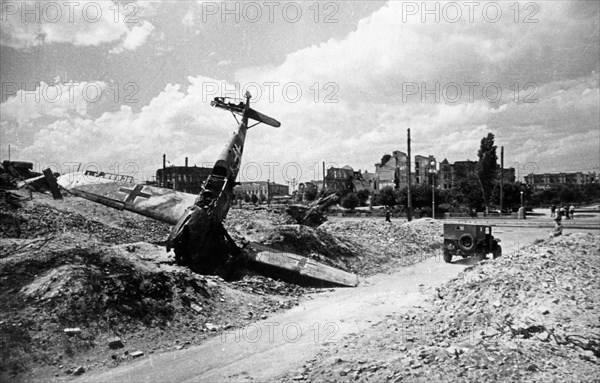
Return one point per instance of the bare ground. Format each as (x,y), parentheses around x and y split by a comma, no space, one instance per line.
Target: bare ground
(77,265)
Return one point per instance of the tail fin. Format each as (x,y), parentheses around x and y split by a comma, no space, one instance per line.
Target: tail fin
(219,102)
(258,116)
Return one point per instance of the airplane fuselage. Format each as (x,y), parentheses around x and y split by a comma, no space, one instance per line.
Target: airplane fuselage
(199,230)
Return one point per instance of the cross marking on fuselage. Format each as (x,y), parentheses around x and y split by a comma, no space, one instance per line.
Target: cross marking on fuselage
(237,155)
(133,193)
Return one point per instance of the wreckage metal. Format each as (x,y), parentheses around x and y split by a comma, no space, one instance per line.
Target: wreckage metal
(198,237)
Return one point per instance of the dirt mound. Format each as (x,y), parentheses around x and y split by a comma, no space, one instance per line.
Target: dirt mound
(529,316)
(384,245)
(40,219)
(79,265)
(363,246)
(131,291)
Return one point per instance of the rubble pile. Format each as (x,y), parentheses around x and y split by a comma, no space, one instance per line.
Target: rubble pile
(363,246)
(382,243)
(13,171)
(529,316)
(77,275)
(39,219)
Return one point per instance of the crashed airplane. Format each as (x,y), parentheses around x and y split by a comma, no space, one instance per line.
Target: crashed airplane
(198,238)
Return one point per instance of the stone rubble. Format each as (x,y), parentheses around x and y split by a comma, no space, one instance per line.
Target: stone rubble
(529,316)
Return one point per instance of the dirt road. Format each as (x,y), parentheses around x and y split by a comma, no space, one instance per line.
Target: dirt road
(283,342)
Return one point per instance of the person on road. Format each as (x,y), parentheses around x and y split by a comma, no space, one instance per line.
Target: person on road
(387,214)
(572,211)
(563,212)
(558,227)
(552,211)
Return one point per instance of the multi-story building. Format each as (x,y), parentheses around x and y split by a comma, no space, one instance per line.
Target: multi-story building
(546,180)
(449,175)
(260,188)
(182,178)
(394,172)
(339,179)
(347,179)
(424,170)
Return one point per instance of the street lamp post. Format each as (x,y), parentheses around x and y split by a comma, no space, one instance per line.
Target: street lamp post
(522,199)
(432,172)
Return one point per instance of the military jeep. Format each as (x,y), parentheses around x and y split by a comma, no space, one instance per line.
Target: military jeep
(469,240)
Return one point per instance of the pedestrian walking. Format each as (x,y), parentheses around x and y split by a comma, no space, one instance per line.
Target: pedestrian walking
(387,214)
(558,227)
(552,211)
(572,211)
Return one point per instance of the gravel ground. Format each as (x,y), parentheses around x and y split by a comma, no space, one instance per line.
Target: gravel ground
(532,315)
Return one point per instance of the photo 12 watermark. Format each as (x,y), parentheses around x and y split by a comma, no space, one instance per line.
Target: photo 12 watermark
(470,11)
(269,11)
(273,91)
(469,91)
(283,332)
(70,92)
(69,11)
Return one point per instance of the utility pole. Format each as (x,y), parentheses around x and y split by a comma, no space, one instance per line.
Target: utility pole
(323,187)
(432,171)
(501,178)
(164,172)
(409,212)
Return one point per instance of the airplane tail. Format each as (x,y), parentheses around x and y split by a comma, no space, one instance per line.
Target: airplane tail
(240,108)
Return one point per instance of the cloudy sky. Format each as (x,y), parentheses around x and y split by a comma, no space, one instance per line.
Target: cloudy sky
(115,85)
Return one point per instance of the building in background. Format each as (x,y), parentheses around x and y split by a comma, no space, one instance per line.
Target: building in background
(394,172)
(188,179)
(260,188)
(339,180)
(546,180)
(449,175)
(424,170)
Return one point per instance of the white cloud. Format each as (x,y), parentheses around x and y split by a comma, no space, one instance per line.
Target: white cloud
(135,38)
(87,23)
(54,100)
(189,18)
(370,117)
(383,52)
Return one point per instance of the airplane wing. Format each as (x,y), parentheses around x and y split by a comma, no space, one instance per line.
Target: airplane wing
(164,205)
(300,266)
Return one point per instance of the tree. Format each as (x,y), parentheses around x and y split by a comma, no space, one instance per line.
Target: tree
(512,195)
(486,168)
(385,196)
(350,201)
(254,199)
(363,196)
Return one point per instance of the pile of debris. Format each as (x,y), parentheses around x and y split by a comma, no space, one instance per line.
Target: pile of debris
(77,275)
(528,316)
(45,217)
(384,245)
(11,172)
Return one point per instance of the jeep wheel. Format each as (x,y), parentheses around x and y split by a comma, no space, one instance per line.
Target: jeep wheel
(466,242)
(447,256)
(498,252)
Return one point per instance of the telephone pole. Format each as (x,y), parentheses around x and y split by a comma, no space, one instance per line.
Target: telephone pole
(501,178)
(409,212)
